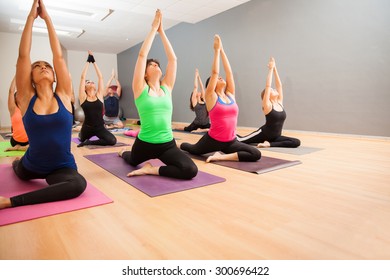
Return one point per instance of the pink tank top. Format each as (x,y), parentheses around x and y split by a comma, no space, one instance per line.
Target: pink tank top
(18,131)
(223,118)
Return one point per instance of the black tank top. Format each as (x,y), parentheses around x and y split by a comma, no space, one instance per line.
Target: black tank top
(274,121)
(93,112)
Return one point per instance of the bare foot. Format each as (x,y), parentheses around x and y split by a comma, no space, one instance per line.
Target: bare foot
(4,202)
(144,170)
(16,148)
(215,157)
(266,144)
(120,153)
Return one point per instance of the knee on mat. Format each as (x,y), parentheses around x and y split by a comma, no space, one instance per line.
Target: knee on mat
(77,186)
(185,146)
(112,141)
(296,143)
(189,171)
(257,155)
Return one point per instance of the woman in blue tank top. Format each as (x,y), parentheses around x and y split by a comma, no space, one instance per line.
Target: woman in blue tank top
(270,134)
(47,117)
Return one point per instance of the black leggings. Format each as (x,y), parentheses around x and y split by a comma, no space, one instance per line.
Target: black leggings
(14,142)
(206,144)
(65,183)
(194,126)
(259,136)
(106,138)
(178,164)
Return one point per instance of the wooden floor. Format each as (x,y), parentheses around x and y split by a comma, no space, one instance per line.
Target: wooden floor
(335,205)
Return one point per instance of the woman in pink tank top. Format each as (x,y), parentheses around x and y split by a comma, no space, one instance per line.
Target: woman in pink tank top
(223,112)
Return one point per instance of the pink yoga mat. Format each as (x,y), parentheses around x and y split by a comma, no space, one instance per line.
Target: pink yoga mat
(10,185)
(150,184)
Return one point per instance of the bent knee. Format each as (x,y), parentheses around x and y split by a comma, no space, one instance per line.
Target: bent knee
(256,155)
(112,141)
(189,171)
(77,186)
(296,143)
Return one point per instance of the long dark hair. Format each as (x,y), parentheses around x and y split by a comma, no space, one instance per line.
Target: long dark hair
(191,106)
(207,81)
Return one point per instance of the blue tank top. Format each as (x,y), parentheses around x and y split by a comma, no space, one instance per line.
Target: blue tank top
(50,138)
(111,105)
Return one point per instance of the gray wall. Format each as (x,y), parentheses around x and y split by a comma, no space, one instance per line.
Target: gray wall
(333,57)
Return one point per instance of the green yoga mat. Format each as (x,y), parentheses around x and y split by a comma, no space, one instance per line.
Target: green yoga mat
(6,144)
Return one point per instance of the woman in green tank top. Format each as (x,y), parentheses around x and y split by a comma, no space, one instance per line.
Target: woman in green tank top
(152,95)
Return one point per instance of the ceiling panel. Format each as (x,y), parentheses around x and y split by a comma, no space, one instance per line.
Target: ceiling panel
(126,26)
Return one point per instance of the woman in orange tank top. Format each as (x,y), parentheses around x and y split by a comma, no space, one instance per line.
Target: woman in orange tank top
(19,139)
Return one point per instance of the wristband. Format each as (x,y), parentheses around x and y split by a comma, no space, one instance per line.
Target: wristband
(91,59)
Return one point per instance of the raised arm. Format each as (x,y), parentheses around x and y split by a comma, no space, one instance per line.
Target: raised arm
(194,98)
(170,72)
(267,105)
(230,85)
(118,84)
(119,87)
(278,85)
(100,88)
(11,97)
(211,96)
(64,84)
(140,66)
(23,65)
(109,83)
(82,93)
(202,91)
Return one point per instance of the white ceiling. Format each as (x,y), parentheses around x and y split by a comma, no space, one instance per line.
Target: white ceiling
(125,27)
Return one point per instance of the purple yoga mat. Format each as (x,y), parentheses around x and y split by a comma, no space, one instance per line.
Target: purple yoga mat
(118,144)
(150,184)
(265,164)
(10,185)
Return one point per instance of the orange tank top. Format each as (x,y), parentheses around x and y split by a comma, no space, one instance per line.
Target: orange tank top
(18,131)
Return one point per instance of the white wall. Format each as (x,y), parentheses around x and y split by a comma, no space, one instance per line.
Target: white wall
(76,62)
(41,51)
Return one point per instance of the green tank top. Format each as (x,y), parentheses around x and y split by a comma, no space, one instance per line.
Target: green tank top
(155,114)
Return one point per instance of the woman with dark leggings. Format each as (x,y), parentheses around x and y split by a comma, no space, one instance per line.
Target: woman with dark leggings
(154,104)
(47,117)
(223,112)
(91,101)
(270,134)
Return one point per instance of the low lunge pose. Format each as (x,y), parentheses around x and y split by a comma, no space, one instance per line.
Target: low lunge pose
(223,112)
(91,100)
(19,138)
(153,99)
(47,117)
(270,134)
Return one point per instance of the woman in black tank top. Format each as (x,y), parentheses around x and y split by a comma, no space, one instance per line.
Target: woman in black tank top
(91,101)
(198,105)
(270,134)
